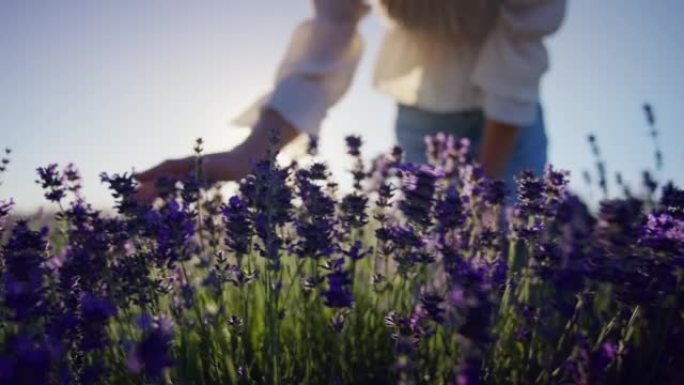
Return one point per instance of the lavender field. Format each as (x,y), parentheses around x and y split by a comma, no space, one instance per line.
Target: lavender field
(421,274)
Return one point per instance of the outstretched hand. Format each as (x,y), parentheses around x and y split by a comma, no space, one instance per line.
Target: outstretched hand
(218,167)
(222,166)
(173,168)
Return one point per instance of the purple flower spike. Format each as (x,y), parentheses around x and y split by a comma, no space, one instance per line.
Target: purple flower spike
(153,353)
(339,293)
(52,182)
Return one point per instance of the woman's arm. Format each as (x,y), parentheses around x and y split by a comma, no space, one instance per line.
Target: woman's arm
(314,74)
(318,67)
(497,147)
(508,71)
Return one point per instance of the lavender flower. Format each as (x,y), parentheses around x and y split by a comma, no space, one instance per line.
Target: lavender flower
(52,182)
(356,251)
(353,211)
(495,193)
(354,144)
(312,148)
(419,190)
(25,360)
(469,296)
(266,190)
(153,353)
(555,188)
(123,187)
(239,277)
(530,193)
(95,313)
(401,237)
(173,227)
(318,171)
(23,276)
(432,303)
(338,293)
(236,218)
(449,210)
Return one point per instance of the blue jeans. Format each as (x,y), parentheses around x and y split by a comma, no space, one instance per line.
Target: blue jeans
(413,124)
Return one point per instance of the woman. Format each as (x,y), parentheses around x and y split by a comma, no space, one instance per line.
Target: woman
(470,68)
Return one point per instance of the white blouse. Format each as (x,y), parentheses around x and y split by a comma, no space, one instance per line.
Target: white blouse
(501,75)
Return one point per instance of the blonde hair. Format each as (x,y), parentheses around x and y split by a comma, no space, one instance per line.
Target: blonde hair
(451,19)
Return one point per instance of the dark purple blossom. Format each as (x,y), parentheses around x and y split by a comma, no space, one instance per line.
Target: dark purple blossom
(469,296)
(23,275)
(385,194)
(316,236)
(357,251)
(318,171)
(237,220)
(123,188)
(267,191)
(52,181)
(353,211)
(495,192)
(432,303)
(449,210)
(401,237)
(153,353)
(190,192)
(354,144)
(239,277)
(95,314)
(419,186)
(174,227)
(312,147)
(555,188)
(315,223)
(339,292)
(530,193)
(25,360)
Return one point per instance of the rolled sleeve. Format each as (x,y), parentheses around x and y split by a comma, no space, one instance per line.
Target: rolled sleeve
(301,102)
(318,67)
(509,110)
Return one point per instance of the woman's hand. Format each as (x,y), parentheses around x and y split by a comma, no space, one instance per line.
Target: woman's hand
(173,168)
(222,166)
